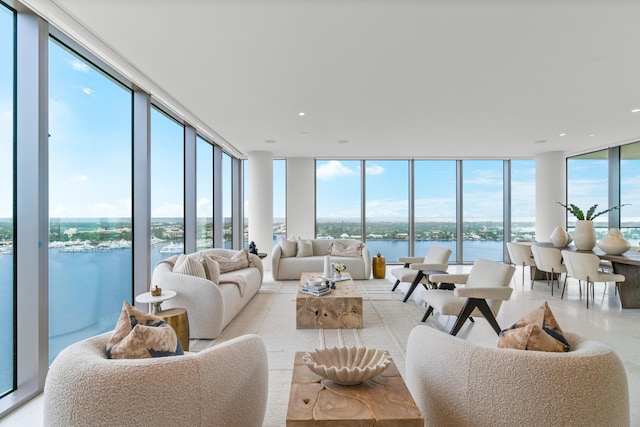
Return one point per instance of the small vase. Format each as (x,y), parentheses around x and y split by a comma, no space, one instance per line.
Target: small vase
(584,235)
(559,237)
(613,243)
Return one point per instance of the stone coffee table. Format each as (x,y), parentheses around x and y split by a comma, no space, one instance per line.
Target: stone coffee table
(341,309)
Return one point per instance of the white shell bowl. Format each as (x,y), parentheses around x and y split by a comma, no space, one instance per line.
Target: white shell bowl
(347,365)
(315,281)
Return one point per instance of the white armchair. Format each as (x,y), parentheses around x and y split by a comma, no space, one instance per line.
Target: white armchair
(487,285)
(457,383)
(436,259)
(223,385)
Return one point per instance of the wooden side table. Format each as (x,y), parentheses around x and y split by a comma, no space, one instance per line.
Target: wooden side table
(177,318)
(384,400)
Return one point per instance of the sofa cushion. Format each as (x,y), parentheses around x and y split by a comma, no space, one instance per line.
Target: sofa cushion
(288,247)
(305,248)
(191,267)
(140,335)
(238,261)
(538,331)
(352,251)
(212,268)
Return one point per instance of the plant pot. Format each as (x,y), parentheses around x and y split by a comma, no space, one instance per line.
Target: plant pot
(584,236)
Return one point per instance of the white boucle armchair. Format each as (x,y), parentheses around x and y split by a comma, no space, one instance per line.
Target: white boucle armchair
(457,383)
(223,385)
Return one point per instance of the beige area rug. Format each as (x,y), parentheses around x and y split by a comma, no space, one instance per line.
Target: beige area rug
(271,315)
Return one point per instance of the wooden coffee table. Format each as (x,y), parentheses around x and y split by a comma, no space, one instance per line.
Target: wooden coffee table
(380,401)
(342,308)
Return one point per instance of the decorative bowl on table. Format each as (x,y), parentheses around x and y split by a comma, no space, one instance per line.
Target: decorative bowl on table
(347,365)
(315,281)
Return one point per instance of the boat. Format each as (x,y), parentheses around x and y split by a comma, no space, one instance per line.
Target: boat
(173,248)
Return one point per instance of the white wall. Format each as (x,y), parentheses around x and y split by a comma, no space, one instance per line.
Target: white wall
(301,197)
(551,187)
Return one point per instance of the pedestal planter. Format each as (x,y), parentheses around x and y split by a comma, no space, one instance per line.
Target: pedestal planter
(584,236)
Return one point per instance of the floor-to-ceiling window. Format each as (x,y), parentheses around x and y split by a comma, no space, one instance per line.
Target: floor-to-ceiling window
(482,195)
(630,192)
(387,208)
(523,199)
(167,186)
(279,200)
(588,185)
(227,201)
(435,205)
(204,191)
(90,258)
(7,132)
(338,199)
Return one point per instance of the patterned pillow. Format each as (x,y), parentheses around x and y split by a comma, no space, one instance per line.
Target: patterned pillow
(288,247)
(191,267)
(538,331)
(236,262)
(305,248)
(139,335)
(353,251)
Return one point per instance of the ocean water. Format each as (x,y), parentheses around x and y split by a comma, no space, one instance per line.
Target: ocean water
(87,290)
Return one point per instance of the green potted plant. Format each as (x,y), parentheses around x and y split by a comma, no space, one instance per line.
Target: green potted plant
(584,235)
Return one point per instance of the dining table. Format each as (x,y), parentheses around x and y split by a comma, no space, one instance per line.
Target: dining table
(627,264)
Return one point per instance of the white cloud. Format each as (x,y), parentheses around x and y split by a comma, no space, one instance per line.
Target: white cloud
(80,66)
(332,169)
(374,170)
(79,178)
(168,210)
(88,91)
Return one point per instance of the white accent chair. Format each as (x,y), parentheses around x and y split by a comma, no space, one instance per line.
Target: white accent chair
(586,266)
(520,254)
(549,260)
(436,259)
(457,383)
(486,286)
(223,385)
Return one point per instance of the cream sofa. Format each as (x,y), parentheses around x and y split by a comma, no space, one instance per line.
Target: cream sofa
(457,383)
(290,268)
(223,385)
(210,306)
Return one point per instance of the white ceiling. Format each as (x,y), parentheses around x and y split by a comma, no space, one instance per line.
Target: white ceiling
(432,78)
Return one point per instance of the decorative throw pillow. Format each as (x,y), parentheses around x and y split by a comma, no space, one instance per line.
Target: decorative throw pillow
(288,247)
(238,261)
(538,330)
(305,248)
(212,268)
(353,251)
(140,335)
(191,267)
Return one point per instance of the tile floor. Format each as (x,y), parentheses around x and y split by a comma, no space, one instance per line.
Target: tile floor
(605,321)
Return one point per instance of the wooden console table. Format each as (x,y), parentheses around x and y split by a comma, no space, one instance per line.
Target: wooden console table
(381,401)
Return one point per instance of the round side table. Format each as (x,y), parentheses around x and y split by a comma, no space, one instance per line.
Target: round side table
(177,318)
(379,267)
(147,298)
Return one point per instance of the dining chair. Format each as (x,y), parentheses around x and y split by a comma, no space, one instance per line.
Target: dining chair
(585,266)
(549,260)
(520,254)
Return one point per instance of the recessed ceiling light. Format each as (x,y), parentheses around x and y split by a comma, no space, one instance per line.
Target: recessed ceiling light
(301,113)
(592,134)
(305,133)
(563,134)
(343,141)
(636,110)
(540,141)
(270,141)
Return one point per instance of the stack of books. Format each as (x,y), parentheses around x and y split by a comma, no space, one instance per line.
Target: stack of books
(316,290)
